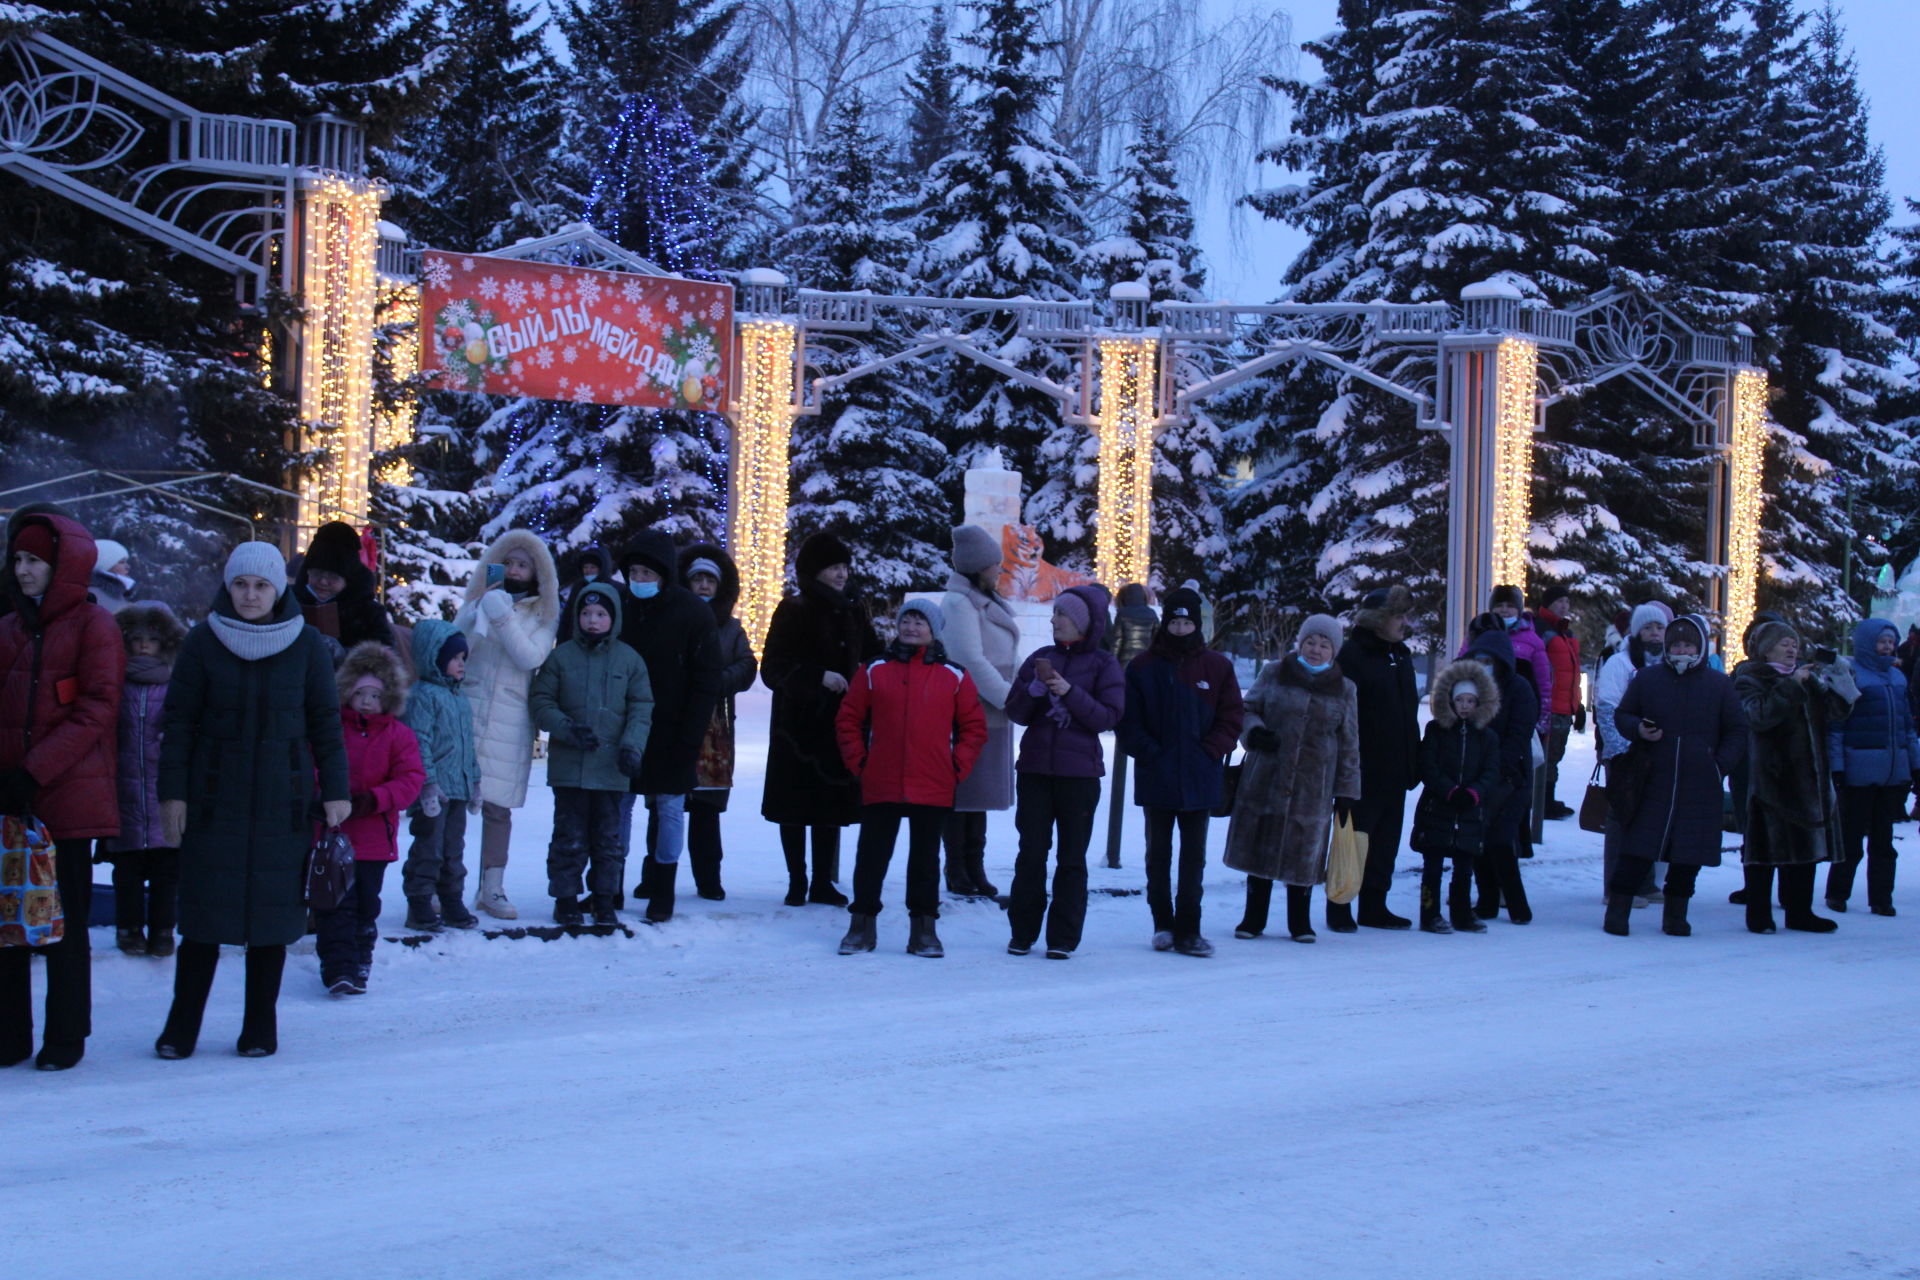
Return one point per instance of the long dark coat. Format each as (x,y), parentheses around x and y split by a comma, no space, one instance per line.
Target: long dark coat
(1283,812)
(1792,815)
(1388,702)
(812,632)
(1456,753)
(1519,713)
(675,632)
(241,745)
(738,668)
(1704,738)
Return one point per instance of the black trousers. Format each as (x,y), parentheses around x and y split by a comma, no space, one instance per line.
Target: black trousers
(826,853)
(1260,903)
(344,937)
(704,851)
(436,864)
(1557,735)
(1382,818)
(965,836)
(146,890)
(1046,804)
(1459,895)
(1174,908)
(69,965)
(879,829)
(1867,818)
(586,841)
(1631,876)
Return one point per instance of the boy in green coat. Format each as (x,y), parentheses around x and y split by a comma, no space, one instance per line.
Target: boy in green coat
(593,698)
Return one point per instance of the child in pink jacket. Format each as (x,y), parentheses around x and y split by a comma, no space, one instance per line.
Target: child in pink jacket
(385,777)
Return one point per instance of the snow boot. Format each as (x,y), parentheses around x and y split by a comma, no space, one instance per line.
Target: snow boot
(1299,915)
(860,935)
(1374,913)
(959,881)
(1673,916)
(130,941)
(422,916)
(1758,898)
(1619,912)
(1513,890)
(1019,948)
(192,980)
(567,912)
(1340,917)
(492,897)
(1460,912)
(1193,945)
(977,873)
(259,1024)
(64,1056)
(603,906)
(1163,939)
(922,940)
(454,913)
(1059,953)
(1432,919)
(160,945)
(797,877)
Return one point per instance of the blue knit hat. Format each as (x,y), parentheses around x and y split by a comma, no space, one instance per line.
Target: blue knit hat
(936,618)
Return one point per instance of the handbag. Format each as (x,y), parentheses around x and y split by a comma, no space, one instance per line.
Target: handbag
(330,870)
(1346,861)
(30,910)
(1627,781)
(1594,806)
(1230,787)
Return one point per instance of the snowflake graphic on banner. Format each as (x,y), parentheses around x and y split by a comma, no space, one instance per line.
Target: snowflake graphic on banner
(516,294)
(589,290)
(630,290)
(488,287)
(439,274)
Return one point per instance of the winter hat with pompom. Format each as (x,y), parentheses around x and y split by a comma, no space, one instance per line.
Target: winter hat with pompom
(1651,611)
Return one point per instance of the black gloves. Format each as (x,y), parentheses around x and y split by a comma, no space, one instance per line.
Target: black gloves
(17,790)
(583,736)
(630,758)
(1261,738)
(1342,809)
(1580,718)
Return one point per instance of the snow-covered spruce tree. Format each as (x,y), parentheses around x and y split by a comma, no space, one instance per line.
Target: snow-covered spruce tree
(1154,246)
(117,353)
(1900,410)
(933,101)
(1835,471)
(866,469)
(1000,218)
(1441,149)
(647,77)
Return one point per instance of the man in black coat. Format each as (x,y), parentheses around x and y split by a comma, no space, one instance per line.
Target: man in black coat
(1377,660)
(674,631)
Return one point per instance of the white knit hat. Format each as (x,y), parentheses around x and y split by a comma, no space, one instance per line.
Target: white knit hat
(260,559)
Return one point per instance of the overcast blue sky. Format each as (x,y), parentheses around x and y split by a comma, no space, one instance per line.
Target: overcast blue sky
(1246,254)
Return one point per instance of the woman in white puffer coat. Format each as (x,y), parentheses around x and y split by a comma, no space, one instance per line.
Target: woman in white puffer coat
(511,613)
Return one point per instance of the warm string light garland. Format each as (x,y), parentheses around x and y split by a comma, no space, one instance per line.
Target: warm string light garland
(393,425)
(757,525)
(1124,531)
(1745,498)
(339,289)
(1517,370)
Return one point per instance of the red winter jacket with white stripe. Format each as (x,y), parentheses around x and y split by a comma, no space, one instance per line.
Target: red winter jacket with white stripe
(911,727)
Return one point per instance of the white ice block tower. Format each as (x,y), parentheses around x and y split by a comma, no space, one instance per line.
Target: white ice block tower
(992,502)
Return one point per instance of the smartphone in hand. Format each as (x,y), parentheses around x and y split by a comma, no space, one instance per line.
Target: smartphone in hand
(496,574)
(1042,670)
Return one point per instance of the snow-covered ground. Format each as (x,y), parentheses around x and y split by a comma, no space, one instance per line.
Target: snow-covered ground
(727,1097)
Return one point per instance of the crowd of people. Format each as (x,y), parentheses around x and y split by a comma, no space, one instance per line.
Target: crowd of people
(204,763)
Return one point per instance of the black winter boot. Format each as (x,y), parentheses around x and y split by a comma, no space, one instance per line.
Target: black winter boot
(1460,910)
(454,913)
(1431,918)
(567,912)
(260,1024)
(1758,897)
(1340,917)
(1513,890)
(1796,899)
(1619,913)
(1253,921)
(959,882)
(860,935)
(130,941)
(922,940)
(977,872)
(422,916)
(1487,878)
(603,907)
(1374,913)
(1673,916)
(796,872)
(193,969)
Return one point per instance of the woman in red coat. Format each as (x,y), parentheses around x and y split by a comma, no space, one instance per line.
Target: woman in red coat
(385,776)
(61,670)
(910,729)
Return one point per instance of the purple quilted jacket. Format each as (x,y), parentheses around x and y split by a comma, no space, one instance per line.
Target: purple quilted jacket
(1093,706)
(140,721)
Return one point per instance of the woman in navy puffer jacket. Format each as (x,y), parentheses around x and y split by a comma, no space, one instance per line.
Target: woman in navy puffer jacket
(1875,755)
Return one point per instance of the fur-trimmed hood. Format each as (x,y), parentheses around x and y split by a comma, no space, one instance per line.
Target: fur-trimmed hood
(370,659)
(1441,696)
(155,617)
(546,579)
(729,594)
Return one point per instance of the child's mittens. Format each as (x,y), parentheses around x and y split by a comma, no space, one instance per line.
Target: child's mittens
(582,736)
(630,758)
(496,604)
(432,800)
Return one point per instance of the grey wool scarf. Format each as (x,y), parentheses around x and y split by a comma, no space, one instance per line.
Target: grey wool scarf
(252,641)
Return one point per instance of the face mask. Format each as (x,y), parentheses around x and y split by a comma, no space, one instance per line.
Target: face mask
(1513,622)
(1315,667)
(645,590)
(1683,662)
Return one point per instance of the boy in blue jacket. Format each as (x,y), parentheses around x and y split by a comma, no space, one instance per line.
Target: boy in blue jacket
(442,720)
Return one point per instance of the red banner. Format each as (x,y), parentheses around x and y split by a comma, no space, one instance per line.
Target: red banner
(508,327)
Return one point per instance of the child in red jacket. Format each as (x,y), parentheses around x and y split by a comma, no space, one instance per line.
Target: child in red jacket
(910,729)
(385,777)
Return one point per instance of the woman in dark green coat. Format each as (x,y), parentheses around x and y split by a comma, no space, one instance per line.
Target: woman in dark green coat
(252,714)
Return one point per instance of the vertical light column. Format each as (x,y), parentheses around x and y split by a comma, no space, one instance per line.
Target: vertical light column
(339,293)
(393,425)
(763,429)
(1513,460)
(1490,411)
(1745,499)
(1124,530)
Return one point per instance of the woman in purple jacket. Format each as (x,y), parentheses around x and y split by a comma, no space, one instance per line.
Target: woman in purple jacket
(146,869)
(1066,695)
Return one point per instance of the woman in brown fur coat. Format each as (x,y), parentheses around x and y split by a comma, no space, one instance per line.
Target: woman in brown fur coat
(1302,737)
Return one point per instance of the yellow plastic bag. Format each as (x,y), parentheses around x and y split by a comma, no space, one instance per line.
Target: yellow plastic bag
(1346,862)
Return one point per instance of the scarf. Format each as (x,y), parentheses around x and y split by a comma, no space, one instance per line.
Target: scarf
(149,670)
(252,641)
